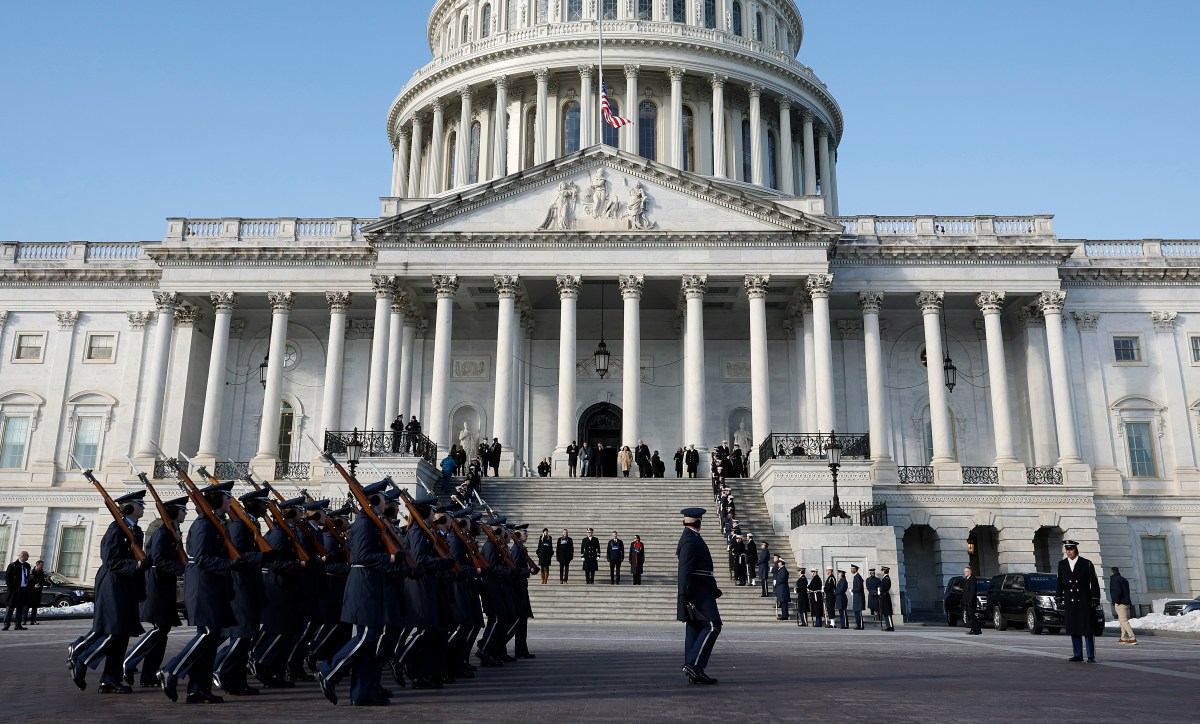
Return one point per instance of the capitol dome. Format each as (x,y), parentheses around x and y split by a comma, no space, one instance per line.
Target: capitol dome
(713,87)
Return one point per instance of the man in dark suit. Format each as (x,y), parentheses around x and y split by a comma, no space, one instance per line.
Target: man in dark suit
(1078,599)
(858,597)
(816,603)
(642,456)
(691,460)
(616,556)
(572,459)
(589,548)
(564,552)
(970,591)
(764,566)
(841,600)
(873,593)
(494,456)
(485,455)
(16,578)
(697,598)
(413,428)
(1118,593)
(783,591)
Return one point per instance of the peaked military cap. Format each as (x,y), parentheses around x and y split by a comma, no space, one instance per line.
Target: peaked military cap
(317,504)
(136,496)
(1070,545)
(461,513)
(429,500)
(393,494)
(226,488)
(375,488)
(476,517)
(344,510)
(853,567)
(494,522)
(885,569)
(177,502)
(692,512)
(523,526)
(253,495)
(297,502)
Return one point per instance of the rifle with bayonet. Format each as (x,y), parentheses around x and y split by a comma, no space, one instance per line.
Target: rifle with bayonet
(238,509)
(167,519)
(138,553)
(439,543)
(473,552)
(193,492)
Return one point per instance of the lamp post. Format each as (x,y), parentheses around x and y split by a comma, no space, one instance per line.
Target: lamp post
(833,454)
(354,451)
(262,371)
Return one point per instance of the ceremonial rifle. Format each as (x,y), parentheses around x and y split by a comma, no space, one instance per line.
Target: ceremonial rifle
(329,528)
(473,552)
(189,487)
(162,510)
(280,520)
(439,543)
(266,518)
(238,509)
(138,553)
(508,561)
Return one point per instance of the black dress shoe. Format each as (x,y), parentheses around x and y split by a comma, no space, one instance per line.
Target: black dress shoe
(526,655)
(243,691)
(692,672)
(327,688)
(271,682)
(20,628)
(397,673)
(204,697)
(1075,659)
(1091,660)
(465,674)
(127,677)
(78,672)
(300,675)
(507,659)
(424,683)
(107,688)
(169,684)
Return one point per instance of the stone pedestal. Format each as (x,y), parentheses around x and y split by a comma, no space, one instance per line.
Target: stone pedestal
(947,474)
(885,472)
(1012,474)
(1107,481)
(1076,475)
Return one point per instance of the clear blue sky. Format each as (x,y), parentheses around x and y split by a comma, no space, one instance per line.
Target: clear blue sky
(114,116)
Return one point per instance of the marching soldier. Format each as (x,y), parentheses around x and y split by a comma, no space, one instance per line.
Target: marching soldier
(425,652)
(159,608)
(308,527)
(830,598)
(589,548)
(522,609)
(498,602)
(1078,598)
(249,597)
(698,594)
(332,633)
(463,602)
(283,616)
(885,600)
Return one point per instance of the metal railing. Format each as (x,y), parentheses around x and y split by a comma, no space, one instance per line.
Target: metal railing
(163,469)
(915,474)
(814,512)
(229,470)
(289,470)
(1043,476)
(379,444)
(975,475)
(811,446)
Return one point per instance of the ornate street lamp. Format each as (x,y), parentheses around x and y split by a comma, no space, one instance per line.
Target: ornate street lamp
(262,371)
(833,454)
(354,451)
(949,371)
(602,354)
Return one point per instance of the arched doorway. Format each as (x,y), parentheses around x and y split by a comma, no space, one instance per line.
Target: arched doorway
(1047,548)
(983,550)
(601,424)
(287,420)
(922,584)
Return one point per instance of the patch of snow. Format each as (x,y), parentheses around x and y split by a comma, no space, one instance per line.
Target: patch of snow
(83,609)
(1158,622)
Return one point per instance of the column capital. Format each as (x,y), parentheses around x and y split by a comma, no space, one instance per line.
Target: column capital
(1163,321)
(466,94)
(281,301)
(507,285)
(756,285)
(870,302)
(188,316)
(1086,321)
(166,301)
(3,318)
(930,302)
(139,320)
(402,135)
(585,70)
(542,75)
(676,73)
(631,71)
(754,91)
(501,82)
(67,319)
(423,328)
(224,301)
(850,328)
(1052,302)
(785,104)
(823,132)
(338,301)
(695,285)
(400,303)
(789,324)
(384,285)
(990,302)
(568,285)
(819,285)
(437,106)
(807,116)
(631,285)
(446,285)
(718,80)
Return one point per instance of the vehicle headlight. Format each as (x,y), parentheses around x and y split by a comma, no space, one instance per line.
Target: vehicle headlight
(1047,602)
(78,593)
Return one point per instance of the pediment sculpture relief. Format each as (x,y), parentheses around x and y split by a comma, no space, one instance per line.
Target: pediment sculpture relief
(601,210)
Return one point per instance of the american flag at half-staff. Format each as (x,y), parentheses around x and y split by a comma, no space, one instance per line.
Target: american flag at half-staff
(606,110)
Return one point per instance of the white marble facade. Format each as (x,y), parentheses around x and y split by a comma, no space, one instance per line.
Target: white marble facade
(476,298)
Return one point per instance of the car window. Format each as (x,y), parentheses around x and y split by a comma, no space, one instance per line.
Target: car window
(58,580)
(1042,582)
(982,585)
(1018,583)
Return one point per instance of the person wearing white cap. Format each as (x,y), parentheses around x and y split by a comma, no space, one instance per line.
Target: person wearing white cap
(1078,598)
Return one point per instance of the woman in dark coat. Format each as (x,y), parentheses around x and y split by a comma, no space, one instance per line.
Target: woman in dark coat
(545,553)
(658,467)
(637,559)
(679,463)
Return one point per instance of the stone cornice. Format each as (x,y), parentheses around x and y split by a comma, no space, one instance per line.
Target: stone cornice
(240,255)
(960,496)
(1157,506)
(92,277)
(1115,276)
(925,254)
(604,240)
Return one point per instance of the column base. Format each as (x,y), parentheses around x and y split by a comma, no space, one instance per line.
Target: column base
(885,471)
(1108,481)
(947,473)
(1011,473)
(1188,479)
(1076,474)
(263,467)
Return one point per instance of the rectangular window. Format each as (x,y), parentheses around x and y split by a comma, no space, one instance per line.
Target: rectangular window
(1139,438)
(87,441)
(12,442)
(70,551)
(1127,349)
(1196,350)
(100,348)
(29,347)
(1156,562)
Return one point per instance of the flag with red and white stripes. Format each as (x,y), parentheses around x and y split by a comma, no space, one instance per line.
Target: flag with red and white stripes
(606,111)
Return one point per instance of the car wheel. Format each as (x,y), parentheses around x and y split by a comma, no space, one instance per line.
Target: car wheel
(62,602)
(998,619)
(1032,624)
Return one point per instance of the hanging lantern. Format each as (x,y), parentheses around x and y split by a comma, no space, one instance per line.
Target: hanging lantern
(950,372)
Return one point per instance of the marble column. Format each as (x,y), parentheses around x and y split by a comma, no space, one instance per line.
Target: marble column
(407,344)
(720,168)
(500,129)
(385,289)
(877,407)
(268,429)
(438,424)
(991,303)
(436,182)
(757,168)
(794,325)
(331,398)
(156,380)
(760,376)
(462,167)
(1104,452)
(1052,304)
(826,178)
(939,410)
(540,152)
(1037,380)
(214,393)
(507,287)
(400,164)
(631,380)
(629,141)
(810,158)
(833,189)
(587,107)
(568,296)
(414,158)
(787,180)
(674,135)
(819,287)
(395,340)
(694,412)
(809,421)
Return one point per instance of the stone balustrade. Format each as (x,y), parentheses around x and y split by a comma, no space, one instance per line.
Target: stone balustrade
(68,252)
(1143,249)
(949,227)
(281,230)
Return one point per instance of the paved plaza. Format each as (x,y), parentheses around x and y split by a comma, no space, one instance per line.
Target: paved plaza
(617,672)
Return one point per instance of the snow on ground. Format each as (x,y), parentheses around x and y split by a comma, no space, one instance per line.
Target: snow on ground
(83,609)
(1158,622)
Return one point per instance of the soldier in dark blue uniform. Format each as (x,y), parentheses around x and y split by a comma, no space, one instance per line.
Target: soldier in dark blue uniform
(249,597)
(783,590)
(425,653)
(120,586)
(463,601)
(698,594)
(858,597)
(159,608)
(873,592)
(842,600)
(522,608)
(589,549)
(1078,599)
(333,633)
(885,600)
(497,600)
(816,600)
(283,615)
(309,532)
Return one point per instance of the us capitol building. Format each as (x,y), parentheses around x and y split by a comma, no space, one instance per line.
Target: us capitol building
(996,388)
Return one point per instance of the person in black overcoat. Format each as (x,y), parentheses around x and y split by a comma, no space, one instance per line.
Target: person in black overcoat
(283,614)
(1078,599)
(159,609)
(885,600)
(332,633)
(841,599)
(679,463)
(545,554)
(589,549)
(764,566)
(249,597)
(615,553)
(572,461)
(801,598)
(498,601)
(658,468)
(564,553)
(494,456)
(425,651)
(830,592)
(485,454)
(463,601)
(120,586)
(873,593)
(691,458)
(970,589)
(858,598)
(697,598)
(783,591)
(815,598)
(637,559)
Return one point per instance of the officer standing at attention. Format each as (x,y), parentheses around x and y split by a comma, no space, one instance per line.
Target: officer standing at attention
(858,598)
(589,548)
(616,556)
(783,591)
(885,600)
(564,552)
(830,598)
(1078,599)
(698,594)
(873,593)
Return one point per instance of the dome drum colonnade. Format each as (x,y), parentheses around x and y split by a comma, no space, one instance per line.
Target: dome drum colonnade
(715,104)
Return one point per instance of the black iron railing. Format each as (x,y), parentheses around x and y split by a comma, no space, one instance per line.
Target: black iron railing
(974,475)
(164,469)
(292,470)
(379,444)
(1043,476)
(811,446)
(916,474)
(814,512)
(229,470)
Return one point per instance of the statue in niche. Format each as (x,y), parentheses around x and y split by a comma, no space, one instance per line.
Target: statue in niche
(467,439)
(636,216)
(742,436)
(561,215)
(598,204)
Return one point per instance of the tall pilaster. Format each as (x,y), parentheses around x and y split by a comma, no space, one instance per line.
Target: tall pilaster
(1052,304)
(540,152)
(810,157)
(787,180)
(568,296)
(268,429)
(437,182)
(819,287)
(826,179)
(631,380)
(156,380)
(462,167)
(214,392)
(500,129)
(331,401)
(757,169)
(385,289)
(414,158)
(507,287)
(877,407)
(694,412)
(991,303)
(718,126)
(1182,439)
(629,141)
(939,411)
(760,376)
(809,421)
(1037,379)
(438,424)
(675,135)
(833,186)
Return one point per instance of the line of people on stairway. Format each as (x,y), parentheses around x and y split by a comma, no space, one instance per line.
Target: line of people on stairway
(562,550)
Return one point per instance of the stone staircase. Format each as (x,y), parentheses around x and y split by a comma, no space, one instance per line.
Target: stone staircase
(644,506)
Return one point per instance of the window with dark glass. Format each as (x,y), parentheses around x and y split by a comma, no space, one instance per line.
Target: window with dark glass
(574,10)
(485,27)
(647,130)
(679,11)
(758,27)
(737,18)
(772,170)
(747,154)
(689,140)
(451,159)
(473,169)
(530,136)
(645,10)
(570,127)
(710,14)
(610,9)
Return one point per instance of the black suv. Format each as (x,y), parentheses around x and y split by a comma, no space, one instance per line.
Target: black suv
(953,604)
(1029,599)
(58,592)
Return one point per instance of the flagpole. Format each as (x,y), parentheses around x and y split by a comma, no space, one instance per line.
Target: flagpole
(596,110)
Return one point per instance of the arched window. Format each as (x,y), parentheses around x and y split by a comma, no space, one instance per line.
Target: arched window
(485,26)
(451,159)
(473,169)
(689,140)
(570,128)
(574,10)
(610,9)
(464,35)
(772,168)
(512,15)
(737,18)
(287,419)
(758,27)
(928,425)
(679,11)
(747,153)
(647,130)
(710,14)
(612,136)
(530,136)
(645,10)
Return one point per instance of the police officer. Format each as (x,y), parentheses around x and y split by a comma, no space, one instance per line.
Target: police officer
(885,600)
(1078,599)
(249,597)
(616,556)
(697,599)
(159,608)
(589,548)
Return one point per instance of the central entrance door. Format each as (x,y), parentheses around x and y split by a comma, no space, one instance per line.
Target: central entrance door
(601,424)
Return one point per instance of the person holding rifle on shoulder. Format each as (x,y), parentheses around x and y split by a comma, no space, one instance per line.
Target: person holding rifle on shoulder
(159,608)
(283,616)
(249,597)
(425,653)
